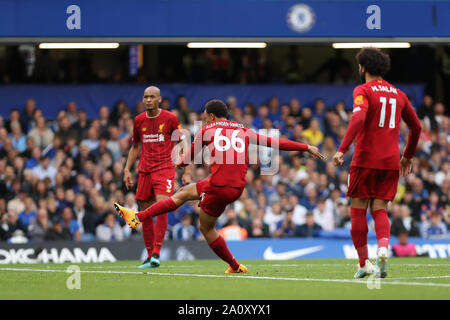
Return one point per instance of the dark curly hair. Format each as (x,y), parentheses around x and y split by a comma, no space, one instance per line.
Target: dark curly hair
(374,61)
(217,107)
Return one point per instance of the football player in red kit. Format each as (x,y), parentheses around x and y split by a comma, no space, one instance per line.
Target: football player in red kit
(374,171)
(153,130)
(228,145)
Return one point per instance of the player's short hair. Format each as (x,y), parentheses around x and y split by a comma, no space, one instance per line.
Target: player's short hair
(217,107)
(374,61)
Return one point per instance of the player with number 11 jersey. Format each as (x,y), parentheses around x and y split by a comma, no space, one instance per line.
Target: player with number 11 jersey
(376,166)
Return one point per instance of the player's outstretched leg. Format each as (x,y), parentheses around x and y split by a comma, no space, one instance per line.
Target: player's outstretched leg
(217,243)
(133,219)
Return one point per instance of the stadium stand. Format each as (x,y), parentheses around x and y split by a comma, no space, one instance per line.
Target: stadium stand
(60,176)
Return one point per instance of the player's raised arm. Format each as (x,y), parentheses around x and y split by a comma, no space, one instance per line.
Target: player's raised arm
(413,123)
(282,144)
(356,124)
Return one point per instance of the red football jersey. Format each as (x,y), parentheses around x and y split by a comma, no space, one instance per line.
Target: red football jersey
(155,136)
(377,111)
(227,143)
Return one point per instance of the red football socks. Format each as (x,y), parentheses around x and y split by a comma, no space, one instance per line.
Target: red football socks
(382,227)
(157,209)
(359,233)
(221,250)
(148,234)
(160,232)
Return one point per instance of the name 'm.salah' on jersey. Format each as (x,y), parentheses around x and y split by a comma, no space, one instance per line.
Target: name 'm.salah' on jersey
(155,136)
(377,110)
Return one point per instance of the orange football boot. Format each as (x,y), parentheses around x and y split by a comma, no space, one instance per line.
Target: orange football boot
(241,269)
(128,215)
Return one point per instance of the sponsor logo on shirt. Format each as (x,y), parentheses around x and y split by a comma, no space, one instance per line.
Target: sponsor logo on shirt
(152,138)
(359,100)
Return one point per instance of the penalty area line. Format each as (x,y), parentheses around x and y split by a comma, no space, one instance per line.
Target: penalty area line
(382,281)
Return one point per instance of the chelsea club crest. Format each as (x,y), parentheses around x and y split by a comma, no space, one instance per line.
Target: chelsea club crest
(301,18)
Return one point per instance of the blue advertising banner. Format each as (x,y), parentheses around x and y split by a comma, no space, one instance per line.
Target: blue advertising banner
(218,18)
(286,249)
(52,98)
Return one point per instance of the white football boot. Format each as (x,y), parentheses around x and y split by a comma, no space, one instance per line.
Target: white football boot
(362,272)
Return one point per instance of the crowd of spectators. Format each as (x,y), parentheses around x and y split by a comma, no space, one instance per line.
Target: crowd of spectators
(59,177)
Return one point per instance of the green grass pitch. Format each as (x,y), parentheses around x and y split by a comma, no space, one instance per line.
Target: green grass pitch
(409,278)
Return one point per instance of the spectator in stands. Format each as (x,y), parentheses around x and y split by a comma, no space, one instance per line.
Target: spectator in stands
(309,201)
(110,229)
(309,229)
(183,109)
(432,205)
(103,120)
(113,144)
(263,112)
(18,139)
(42,135)
(26,117)
(274,112)
(101,149)
(285,228)
(68,221)
(57,232)
(306,117)
(9,225)
(426,112)
(64,129)
(403,248)
(323,216)
(71,112)
(39,225)
(313,133)
(404,222)
(92,140)
(258,229)
(86,219)
(119,109)
(81,126)
(233,231)
(434,227)
(273,216)
(28,213)
(184,230)
(45,169)
(17,203)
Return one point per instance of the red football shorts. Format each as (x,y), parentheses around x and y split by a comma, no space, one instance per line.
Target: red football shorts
(214,199)
(151,184)
(365,183)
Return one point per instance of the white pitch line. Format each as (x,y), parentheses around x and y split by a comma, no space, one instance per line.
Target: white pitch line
(444,285)
(418,278)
